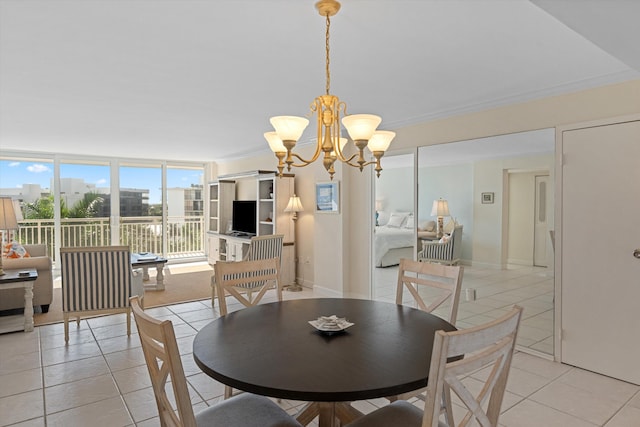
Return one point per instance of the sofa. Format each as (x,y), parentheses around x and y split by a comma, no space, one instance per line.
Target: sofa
(42,287)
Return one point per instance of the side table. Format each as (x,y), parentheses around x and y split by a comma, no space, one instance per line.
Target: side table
(19,279)
(146,260)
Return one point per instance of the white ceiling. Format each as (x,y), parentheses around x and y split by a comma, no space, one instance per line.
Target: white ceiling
(199,79)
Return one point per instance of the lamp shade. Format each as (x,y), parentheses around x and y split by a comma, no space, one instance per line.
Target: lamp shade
(8,219)
(289,128)
(361,126)
(294,205)
(275,143)
(440,208)
(380,140)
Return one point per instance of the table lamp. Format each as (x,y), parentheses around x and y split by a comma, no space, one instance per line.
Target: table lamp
(440,209)
(8,221)
(295,206)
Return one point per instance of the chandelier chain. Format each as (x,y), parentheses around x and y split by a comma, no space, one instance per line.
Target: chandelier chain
(327,50)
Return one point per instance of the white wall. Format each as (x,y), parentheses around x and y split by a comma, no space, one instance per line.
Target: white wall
(394,189)
(607,101)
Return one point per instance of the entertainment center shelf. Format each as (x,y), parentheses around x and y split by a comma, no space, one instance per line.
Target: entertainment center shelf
(270,195)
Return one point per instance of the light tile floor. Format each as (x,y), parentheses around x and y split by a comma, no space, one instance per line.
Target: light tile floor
(496,292)
(100,379)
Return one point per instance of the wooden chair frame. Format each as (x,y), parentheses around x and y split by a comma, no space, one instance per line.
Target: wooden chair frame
(414,274)
(489,345)
(447,279)
(163,362)
(236,278)
(261,247)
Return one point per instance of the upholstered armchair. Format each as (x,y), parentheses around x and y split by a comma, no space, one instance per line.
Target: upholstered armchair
(444,253)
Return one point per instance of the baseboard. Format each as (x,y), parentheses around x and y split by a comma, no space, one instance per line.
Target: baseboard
(485,265)
(515,261)
(326,292)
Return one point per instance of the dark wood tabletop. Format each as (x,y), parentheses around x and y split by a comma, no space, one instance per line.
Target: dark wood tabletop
(138,259)
(272,350)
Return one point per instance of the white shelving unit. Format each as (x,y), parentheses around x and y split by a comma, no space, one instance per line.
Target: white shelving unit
(271,194)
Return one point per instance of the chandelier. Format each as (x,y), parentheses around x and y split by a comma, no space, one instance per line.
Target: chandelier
(328,108)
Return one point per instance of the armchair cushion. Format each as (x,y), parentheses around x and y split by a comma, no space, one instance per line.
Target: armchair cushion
(42,287)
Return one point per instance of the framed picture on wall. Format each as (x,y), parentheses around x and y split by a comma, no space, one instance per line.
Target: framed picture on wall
(328,197)
(487,197)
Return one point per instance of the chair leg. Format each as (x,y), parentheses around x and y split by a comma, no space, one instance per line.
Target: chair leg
(213,295)
(66,328)
(128,321)
(228,392)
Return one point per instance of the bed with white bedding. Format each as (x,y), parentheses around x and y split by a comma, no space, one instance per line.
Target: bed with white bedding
(392,243)
(394,237)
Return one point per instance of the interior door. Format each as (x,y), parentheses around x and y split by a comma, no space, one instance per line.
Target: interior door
(600,231)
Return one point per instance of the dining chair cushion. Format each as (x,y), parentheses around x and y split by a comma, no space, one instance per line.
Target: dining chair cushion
(398,413)
(246,410)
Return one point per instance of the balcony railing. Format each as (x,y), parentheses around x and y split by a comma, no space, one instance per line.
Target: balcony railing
(185,235)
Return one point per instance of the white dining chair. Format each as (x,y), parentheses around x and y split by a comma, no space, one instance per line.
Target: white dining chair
(165,367)
(488,347)
(431,286)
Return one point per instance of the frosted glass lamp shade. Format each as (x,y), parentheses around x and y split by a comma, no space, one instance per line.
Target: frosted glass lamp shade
(361,126)
(380,140)
(275,143)
(289,128)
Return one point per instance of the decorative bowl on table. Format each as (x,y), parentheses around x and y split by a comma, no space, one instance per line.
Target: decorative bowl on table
(330,324)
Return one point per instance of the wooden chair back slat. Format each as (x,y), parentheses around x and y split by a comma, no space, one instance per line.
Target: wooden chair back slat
(163,363)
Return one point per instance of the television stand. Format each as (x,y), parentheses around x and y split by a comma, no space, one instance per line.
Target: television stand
(241,234)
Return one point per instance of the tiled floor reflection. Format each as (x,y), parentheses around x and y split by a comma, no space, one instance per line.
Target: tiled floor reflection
(99,379)
(496,291)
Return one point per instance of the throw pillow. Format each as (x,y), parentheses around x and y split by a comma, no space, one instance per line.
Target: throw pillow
(396,220)
(15,250)
(449,226)
(428,226)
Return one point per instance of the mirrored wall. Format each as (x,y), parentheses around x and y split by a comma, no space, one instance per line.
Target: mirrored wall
(499,194)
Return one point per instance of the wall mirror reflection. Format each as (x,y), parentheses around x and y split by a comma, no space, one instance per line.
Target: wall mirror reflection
(394,232)
(493,197)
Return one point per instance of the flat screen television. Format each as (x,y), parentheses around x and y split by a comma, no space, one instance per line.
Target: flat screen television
(244,217)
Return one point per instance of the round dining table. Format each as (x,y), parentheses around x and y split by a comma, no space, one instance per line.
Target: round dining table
(272,350)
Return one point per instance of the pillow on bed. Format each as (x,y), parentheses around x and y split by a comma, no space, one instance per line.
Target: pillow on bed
(383,217)
(396,220)
(427,226)
(409,223)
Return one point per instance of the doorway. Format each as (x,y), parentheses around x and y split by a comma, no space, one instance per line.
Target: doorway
(529,208)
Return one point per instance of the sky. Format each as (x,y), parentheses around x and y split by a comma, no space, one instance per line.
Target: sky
(15,173)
